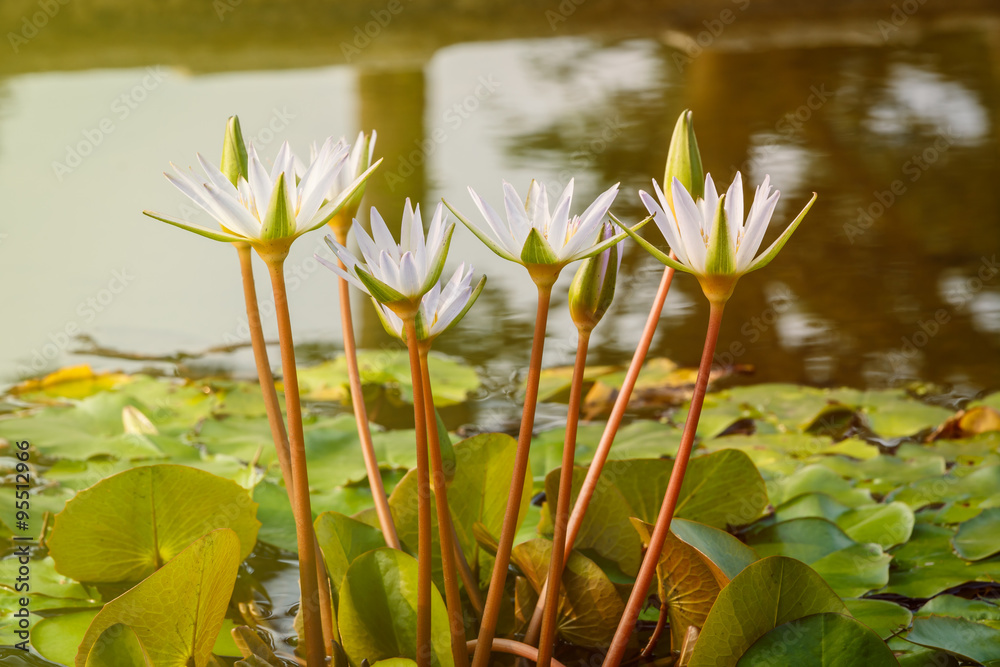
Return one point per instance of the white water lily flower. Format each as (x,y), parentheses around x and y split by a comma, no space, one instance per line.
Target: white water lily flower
(710,237)
(266,207)
(441,307)
(533,234)
(358,160)
(396,274)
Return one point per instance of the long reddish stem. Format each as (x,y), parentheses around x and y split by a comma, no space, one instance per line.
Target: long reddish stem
(512,647)
(648,568)
(608,437)
(308,580)
(547,644)
(453,600)
(491,611)
(423,503)
(361,414)
(278,434)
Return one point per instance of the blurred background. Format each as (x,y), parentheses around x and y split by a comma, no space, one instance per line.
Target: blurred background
(888,110)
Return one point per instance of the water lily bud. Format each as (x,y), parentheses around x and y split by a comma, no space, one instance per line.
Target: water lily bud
(234,152)
(684,160)
(593,286)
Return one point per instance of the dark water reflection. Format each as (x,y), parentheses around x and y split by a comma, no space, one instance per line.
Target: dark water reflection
(892,278)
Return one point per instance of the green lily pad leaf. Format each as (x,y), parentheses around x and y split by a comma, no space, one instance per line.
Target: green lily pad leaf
(46,582)
(855,570)
(979,537)
(768,593)
(378,610)
(963,639)
(158,511)
(722,550)
(956,607)
(816,505)
(926,564)
(807,539)
(395,662)
(118,646)
(818,478)
(885,525)
(884,617)
(587,599)
(789,406)
(820,640)
(981,483)
(389,370)
(882,474)
(893,414)
(342,539)
(720,489)
(58,638)
(178,610)
(477,493)
(274,511)
(925,657)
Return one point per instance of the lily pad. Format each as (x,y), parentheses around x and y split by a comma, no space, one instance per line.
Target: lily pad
(176,612)
(378,610)
(963,639)
(884,617)
(885,525)
(956,607)
(127,526)
(342,539)
(820,640)
(768,593)
(118,646)
(979,537)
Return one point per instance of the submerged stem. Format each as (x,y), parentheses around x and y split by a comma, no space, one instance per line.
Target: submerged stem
(494,597)
(648,568)
(607,438)
(278,434)
(551,598)
(361,416)
(449,546)
(308,579)
(423,503)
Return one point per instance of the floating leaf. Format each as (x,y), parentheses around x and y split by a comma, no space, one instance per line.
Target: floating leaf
(926,564)
(956,607)
(884,617)
(157,512)
(807,539)
(979,537)
(885,525)
(178,610)
(820,640)
(768,593)
(963,639)
(378,610)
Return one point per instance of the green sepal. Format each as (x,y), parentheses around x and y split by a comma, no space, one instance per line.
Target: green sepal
(385,321)
(617,238)
(661,256)
(536,250)
(279,223)
(720,257)
(331,208)
(213,234)
(684,160)
(234,152)
(779,243)
(438,262)
(378,289)
(472,299)
(487,241)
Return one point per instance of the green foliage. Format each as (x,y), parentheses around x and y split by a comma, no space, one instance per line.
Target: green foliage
(820,640)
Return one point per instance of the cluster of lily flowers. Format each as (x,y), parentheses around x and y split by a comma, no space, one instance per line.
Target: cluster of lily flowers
(711,235)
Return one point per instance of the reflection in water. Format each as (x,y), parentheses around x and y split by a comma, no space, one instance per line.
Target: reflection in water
(893,277)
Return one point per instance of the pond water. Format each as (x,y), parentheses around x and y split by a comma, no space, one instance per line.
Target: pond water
(893,277)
